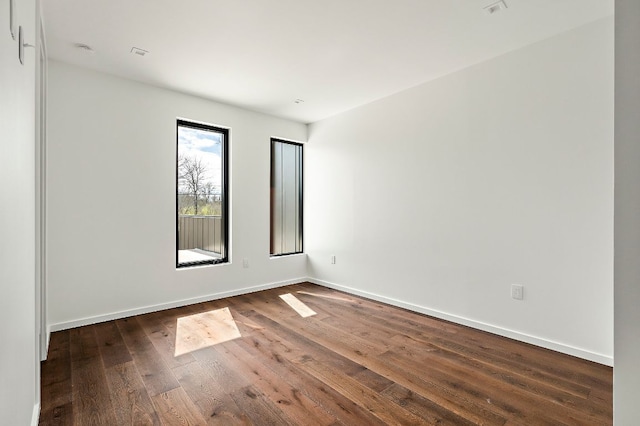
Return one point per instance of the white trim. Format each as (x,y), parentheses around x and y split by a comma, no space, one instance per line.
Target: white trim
(285,256)
(512,334)
(41,188)
(169,305)
(46,344)
(204,123)
(35,416)
(287,140)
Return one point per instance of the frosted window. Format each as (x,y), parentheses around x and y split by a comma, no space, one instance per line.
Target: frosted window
(286,197)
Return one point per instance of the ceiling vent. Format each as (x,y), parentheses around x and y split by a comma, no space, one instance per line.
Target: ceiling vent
(138,51)
(495,7)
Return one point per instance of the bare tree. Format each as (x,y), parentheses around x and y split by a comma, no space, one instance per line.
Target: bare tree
(207,191)
(211,194)
(191,178)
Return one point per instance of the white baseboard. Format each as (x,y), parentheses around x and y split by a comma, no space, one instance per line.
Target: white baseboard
(35,416)
(512,334)
(169,305)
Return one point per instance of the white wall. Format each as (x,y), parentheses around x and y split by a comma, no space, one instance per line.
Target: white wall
(18,361)
(111,212)
(442,196)
(627,214)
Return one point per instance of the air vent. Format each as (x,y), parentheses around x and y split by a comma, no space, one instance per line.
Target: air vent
(138,51)
(495,7)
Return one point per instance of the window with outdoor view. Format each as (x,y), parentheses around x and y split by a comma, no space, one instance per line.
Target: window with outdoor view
(286,197)
(201,195)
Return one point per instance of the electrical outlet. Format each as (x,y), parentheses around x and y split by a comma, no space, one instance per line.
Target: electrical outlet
(245,263)
(333,259)
(517,291)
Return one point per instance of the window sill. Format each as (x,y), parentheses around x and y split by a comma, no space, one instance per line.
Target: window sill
(199,266)
(281,256)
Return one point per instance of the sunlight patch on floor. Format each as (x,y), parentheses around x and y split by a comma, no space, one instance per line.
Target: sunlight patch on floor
(303,310)
(200,331)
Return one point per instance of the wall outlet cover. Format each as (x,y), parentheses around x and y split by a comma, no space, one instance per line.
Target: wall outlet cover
(517,291)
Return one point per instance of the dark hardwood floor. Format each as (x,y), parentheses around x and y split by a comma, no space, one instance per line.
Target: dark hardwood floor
(355,362)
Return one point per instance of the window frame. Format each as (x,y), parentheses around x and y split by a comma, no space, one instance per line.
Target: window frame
(224,187)
(271,198)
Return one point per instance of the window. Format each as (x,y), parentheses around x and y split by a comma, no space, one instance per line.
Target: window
(201,194)
(286,197)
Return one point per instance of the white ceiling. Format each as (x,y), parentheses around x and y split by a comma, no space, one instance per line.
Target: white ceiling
(264,54)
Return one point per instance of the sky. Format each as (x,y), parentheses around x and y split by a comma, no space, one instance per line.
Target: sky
(207,145)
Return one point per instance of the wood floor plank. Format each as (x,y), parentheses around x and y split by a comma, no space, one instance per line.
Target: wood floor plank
(224,374)
(545,391)
(56,406)
(485,372)
(259,408)
(329,336)
(372,380)
(296,406)
(223,412)
(298,345)
(441,392)
(448,398)
(131,402)
(91,400)
(212,399)
(508,404)
(274,349)
(174,407)
(112,348)
(254,359)
(569,368)
(372,401)
(56,390)
(506,407)
(409,328)
(602,397)
(57,368)
(428,411)
(60,415)
(163,339)
(534,386)
(155,374)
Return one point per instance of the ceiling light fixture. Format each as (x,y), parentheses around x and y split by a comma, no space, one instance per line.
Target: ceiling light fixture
(138,51)
(495,7)
(84,47)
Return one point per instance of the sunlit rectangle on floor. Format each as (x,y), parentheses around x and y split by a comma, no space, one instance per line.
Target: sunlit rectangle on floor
(200,331)
(297,305)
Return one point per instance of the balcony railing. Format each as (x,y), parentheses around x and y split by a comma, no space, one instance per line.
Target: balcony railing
(200,233)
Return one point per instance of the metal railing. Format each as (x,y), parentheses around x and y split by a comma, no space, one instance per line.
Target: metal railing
(200,232)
